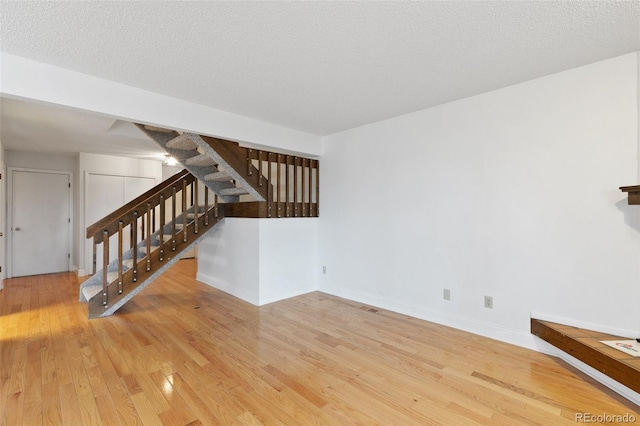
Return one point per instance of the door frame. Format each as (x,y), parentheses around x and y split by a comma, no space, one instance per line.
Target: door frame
(3,219)
(9,218)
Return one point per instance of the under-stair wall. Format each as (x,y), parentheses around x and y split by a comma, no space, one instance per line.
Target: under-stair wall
(261,260)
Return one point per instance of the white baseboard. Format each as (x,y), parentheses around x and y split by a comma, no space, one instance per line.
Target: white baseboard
(480,328)
(275,297)
(514,337)
(244,294)
(248,296)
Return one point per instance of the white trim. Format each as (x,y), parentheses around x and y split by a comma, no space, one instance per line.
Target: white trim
(3,218)
(512,336)
(10,170)
(235,291)
(502,334)
(276,297)
(638,145)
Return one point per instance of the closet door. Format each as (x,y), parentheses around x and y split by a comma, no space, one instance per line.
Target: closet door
(134,186)
(103,194)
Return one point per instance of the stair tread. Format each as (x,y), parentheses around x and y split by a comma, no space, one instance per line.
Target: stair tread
(233,191)
(221,176)
(143,249)
(182,142)
(91,290)
(202,160)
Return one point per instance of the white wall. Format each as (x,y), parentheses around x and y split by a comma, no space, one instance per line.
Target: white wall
(3,215)
(512,194)
(261,260)
(288,258)
(23,78)
(168,171)
(228,259)
(56,162)
(109,165)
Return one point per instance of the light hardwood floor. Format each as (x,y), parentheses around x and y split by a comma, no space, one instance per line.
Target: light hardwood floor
(182,353)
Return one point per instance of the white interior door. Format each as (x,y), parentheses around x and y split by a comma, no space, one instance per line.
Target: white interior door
(40,223)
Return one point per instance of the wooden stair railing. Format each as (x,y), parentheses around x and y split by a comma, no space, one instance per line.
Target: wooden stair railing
(281,185)
(237,158)
(152,229)
(295,189)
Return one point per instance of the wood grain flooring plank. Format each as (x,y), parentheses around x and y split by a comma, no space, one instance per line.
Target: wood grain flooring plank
(107,411)
(179,409)
(145,409)
(69,407)
(184,353)
(51,410)
(122,400)
(14,409)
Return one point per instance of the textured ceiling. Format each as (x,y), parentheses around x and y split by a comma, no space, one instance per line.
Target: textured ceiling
(319,67)
(33,127)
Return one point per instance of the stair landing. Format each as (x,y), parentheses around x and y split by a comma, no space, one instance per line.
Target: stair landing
(585,345)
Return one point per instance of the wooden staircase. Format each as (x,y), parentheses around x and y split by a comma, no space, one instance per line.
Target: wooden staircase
(252,182)
(148,234)
(221,179)
(218,164)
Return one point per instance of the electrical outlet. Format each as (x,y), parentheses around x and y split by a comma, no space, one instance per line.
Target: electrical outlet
(446,294)
(488,302)
(324,269)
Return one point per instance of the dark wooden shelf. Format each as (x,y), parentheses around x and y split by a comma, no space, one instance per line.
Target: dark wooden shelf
(585,345)
(633,194)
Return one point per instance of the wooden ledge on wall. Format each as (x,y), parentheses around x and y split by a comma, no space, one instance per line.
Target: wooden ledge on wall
(633,194)
(586,346)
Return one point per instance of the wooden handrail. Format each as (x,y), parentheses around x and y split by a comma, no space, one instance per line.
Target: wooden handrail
(240,160)
(125,213)
(294,193)
(248,162)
